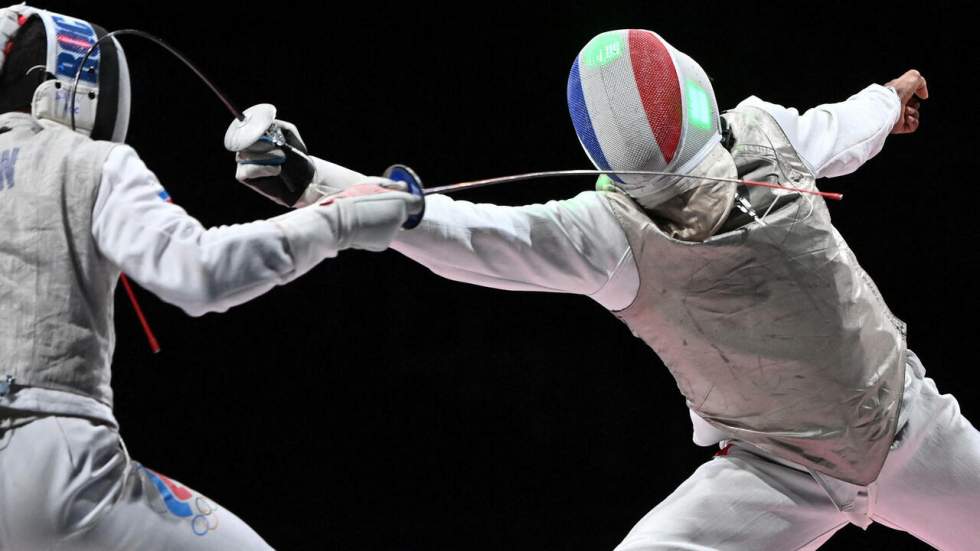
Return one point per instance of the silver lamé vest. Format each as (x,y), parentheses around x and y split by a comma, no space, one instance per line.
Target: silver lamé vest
(774,333)
(56,288)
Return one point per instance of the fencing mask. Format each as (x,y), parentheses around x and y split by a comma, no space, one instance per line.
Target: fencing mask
(41,53)
(638,103)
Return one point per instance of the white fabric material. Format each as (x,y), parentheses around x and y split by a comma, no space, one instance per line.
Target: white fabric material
(572,246)
(576,246)
(365,216)
(929,487)
(124,102)
(67,484)
(837,138)
(57,402)
(330,178)
(200,270)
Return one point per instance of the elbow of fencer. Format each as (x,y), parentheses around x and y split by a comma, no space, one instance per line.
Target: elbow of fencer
(193,310)
(192,296)
(196,310)
(202,276)
(199,299)
(199,307)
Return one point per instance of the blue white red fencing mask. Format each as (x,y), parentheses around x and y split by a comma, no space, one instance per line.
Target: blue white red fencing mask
(638,103)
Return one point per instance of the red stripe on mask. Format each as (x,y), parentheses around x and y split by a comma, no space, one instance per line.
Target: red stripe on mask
(656,80)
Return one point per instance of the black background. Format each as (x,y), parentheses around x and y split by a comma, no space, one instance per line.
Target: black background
(372,405)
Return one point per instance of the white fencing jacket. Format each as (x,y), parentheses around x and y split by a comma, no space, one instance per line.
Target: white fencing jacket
(577,246)
(159,245)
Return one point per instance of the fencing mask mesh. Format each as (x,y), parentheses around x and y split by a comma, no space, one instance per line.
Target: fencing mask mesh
(637,103)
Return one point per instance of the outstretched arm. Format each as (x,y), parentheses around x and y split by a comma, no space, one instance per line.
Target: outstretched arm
(204,270)
(571,246)
(835,139)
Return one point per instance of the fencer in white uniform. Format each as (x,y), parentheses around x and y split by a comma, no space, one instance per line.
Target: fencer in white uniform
(77,211)
(786,353)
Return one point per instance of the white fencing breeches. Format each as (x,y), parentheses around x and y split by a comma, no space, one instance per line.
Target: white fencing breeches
(67,484)
(929,487)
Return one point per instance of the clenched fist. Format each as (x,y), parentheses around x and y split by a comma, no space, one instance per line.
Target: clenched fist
(911,89)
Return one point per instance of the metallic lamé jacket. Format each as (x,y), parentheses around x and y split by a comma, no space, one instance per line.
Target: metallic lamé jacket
(56,288)
(773,332)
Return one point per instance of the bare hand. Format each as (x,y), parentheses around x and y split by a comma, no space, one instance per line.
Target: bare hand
(911,89)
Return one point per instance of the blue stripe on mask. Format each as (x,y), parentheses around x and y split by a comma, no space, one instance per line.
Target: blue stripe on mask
(583,122)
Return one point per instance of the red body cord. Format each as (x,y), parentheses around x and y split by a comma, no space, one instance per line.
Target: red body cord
(154,345)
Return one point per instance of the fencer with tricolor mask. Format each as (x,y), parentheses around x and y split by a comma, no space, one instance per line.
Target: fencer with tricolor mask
(712,309)
(781,344)
(637,103)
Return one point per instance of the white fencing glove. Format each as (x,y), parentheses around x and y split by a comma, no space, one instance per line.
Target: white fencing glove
(369,214)
(281,174)
(365,216)
(272,159)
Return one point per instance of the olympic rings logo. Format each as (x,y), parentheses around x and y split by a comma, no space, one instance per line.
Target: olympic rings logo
(205,520)
(181,502)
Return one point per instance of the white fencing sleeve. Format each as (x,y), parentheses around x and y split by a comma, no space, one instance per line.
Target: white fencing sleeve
(571,246)
(171,254)
(835,139)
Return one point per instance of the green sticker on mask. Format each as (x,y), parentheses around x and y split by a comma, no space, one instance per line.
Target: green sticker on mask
(603,49)
(698,106)
(605,183)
